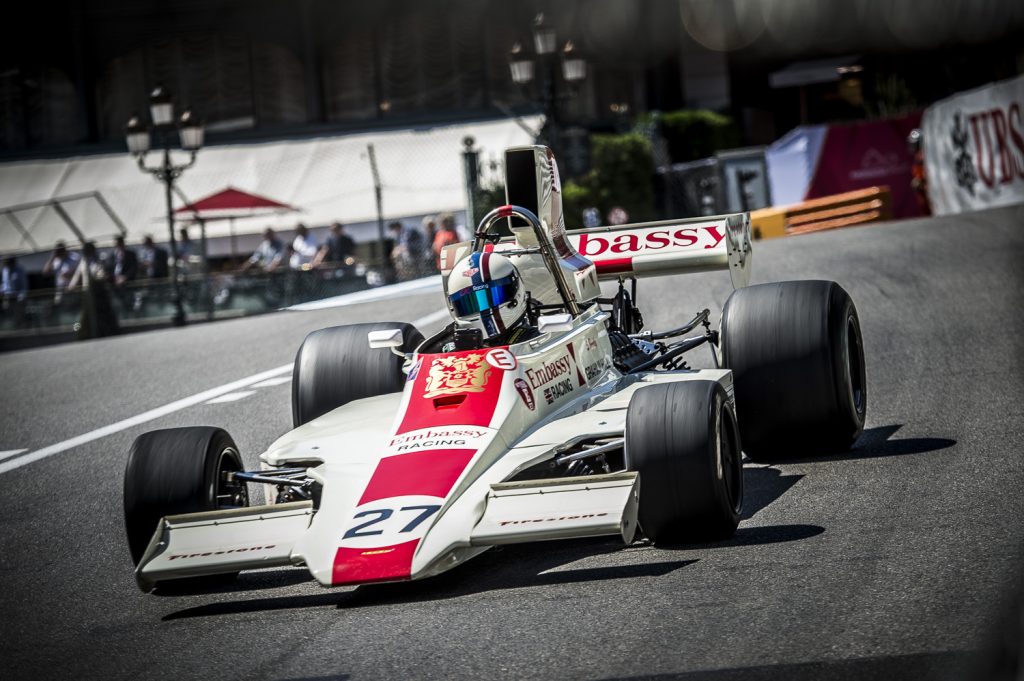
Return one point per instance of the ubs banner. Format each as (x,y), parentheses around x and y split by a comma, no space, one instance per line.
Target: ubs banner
(974,148)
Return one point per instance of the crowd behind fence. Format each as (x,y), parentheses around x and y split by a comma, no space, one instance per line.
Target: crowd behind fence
(100,292)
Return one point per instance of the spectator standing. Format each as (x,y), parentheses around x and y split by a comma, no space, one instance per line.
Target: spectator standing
(185,247)
(429,226)
(337,249)
(97,318)
(303,248)
(267,255)
(446,236)
(406,255)
(13,288)
(124,264)
(153,260)
(62,266)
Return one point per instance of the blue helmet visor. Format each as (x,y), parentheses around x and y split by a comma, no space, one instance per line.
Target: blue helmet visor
(475,299)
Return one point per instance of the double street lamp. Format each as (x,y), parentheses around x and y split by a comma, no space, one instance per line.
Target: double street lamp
(546,58)
(190,137)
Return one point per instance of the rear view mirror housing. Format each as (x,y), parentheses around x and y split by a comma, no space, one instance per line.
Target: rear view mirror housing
(385,338)
(555,323)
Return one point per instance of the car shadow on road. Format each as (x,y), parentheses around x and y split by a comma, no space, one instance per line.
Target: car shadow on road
(764,485)
(875,443)
(502,568)
(520,566)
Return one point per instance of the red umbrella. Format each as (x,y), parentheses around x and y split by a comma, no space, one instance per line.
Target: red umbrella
(216,205)
(228,204)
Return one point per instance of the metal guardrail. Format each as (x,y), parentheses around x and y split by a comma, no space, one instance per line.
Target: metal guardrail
(830,212)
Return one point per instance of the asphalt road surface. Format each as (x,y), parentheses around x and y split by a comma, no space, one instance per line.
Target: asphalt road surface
(896,560)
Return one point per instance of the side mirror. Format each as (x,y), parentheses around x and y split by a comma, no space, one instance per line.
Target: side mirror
(385,338)
(554,323)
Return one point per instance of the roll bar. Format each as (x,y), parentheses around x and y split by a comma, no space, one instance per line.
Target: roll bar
(547,249)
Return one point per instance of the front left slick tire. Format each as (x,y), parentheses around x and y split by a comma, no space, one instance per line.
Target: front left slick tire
(682,439)
(175,471)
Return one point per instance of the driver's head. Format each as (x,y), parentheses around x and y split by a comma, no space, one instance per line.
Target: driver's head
(486,292)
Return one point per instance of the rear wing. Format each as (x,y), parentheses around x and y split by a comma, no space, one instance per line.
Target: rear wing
(652,249)
(642,250)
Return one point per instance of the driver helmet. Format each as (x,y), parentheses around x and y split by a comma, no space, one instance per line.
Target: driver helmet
(486,292)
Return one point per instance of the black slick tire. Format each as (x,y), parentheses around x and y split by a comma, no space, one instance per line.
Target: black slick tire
(682,439)
(797,357)
(336,365)
(177,470)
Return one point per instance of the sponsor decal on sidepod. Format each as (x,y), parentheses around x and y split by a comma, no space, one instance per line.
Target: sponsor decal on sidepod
(500,358)
(525,393)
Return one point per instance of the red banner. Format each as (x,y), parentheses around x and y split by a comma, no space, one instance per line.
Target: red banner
(868,154)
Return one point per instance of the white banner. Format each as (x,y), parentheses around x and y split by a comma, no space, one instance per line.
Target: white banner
(974,148)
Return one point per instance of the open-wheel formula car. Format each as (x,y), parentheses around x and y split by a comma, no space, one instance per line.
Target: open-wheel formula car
(543,411)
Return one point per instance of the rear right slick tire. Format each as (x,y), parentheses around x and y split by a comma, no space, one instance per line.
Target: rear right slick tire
(797,357)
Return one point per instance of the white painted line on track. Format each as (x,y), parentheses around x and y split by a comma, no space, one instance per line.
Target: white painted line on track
(11,452)
(144,417)
(271,382)
(231,397)
(424,285)
(166,409)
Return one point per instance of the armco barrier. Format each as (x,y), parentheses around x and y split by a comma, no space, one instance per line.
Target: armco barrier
(839,210)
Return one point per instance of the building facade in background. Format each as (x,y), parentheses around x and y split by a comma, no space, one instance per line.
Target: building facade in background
(72,73)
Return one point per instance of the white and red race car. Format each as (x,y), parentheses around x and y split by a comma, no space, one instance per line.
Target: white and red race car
(408,458)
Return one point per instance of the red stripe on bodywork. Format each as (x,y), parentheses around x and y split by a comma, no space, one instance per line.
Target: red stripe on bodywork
(572,353)
(385,563)
(470,407)
(428,473)
(614,265)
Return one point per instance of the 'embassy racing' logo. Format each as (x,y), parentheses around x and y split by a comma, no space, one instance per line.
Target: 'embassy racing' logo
(435,437)
(549,371)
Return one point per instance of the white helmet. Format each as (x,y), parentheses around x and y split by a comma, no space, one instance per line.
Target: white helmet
(486,292)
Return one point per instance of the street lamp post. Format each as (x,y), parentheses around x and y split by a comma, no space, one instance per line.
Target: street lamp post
(190,136)
(546,59)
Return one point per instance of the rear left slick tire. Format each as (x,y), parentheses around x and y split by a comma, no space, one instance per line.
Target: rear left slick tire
(682,439)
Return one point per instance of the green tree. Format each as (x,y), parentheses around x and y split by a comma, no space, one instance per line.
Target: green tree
(693,134)
(621,175)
